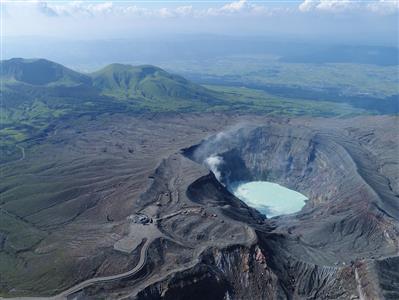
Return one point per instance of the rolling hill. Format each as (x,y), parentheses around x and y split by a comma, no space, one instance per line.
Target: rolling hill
(40,72)
(38,93)
(43,77)
(147,81)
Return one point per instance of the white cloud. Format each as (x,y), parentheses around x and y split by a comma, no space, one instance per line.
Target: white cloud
(236,6)
(384,6)
(165,12)
(180,11)
(328,5)
(243,8)
(336,6)
(81,8)
(307,5)
(90,19)
(184,10)
(44,9)
(75,8)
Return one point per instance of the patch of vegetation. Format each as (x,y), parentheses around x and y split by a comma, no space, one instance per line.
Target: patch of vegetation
(147,82)
(40,72)
(32,104)
(21,236)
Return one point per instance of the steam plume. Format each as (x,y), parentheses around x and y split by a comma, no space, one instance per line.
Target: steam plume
(213,162)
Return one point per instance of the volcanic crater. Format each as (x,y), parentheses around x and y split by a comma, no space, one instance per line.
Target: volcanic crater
(350,220)
(203,242)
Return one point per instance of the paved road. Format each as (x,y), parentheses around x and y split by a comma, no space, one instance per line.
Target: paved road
(143,258)
(89,282)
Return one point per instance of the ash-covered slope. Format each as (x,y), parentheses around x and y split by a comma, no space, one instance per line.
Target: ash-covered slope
(353,209)
(201,240)
(342,245)
(352,216)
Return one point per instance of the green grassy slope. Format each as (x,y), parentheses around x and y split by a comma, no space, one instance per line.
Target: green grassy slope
(38,93)
(40,72)
(125,81)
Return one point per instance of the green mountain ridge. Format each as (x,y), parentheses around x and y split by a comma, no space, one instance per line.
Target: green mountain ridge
(37,94)
(116,80)
(40,72)
(146,81)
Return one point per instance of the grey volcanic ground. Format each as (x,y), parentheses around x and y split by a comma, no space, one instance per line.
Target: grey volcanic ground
(85,186)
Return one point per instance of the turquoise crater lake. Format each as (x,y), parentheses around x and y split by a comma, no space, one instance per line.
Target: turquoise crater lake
(270,198)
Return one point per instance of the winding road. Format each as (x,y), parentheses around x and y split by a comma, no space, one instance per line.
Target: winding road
(143,259)
(65,294)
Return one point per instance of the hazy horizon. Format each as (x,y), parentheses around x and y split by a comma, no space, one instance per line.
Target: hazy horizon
(336,21)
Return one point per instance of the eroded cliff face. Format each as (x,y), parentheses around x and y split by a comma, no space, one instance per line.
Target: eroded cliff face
(248,273)
(252,273)
(232,273)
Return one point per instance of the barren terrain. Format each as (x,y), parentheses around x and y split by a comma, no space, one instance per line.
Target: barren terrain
(72,204)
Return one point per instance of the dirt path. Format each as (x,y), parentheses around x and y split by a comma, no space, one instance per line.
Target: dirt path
(22,152)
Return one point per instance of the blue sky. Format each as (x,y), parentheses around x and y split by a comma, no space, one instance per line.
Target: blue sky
(376,20)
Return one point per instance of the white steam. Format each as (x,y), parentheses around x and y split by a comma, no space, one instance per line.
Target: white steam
(213,162)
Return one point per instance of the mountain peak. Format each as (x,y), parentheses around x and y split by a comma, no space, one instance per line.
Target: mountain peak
(140,71)
(116,80)
(146,81)
(40,72)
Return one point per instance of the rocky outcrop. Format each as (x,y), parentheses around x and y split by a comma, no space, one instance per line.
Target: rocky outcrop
(230,273)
